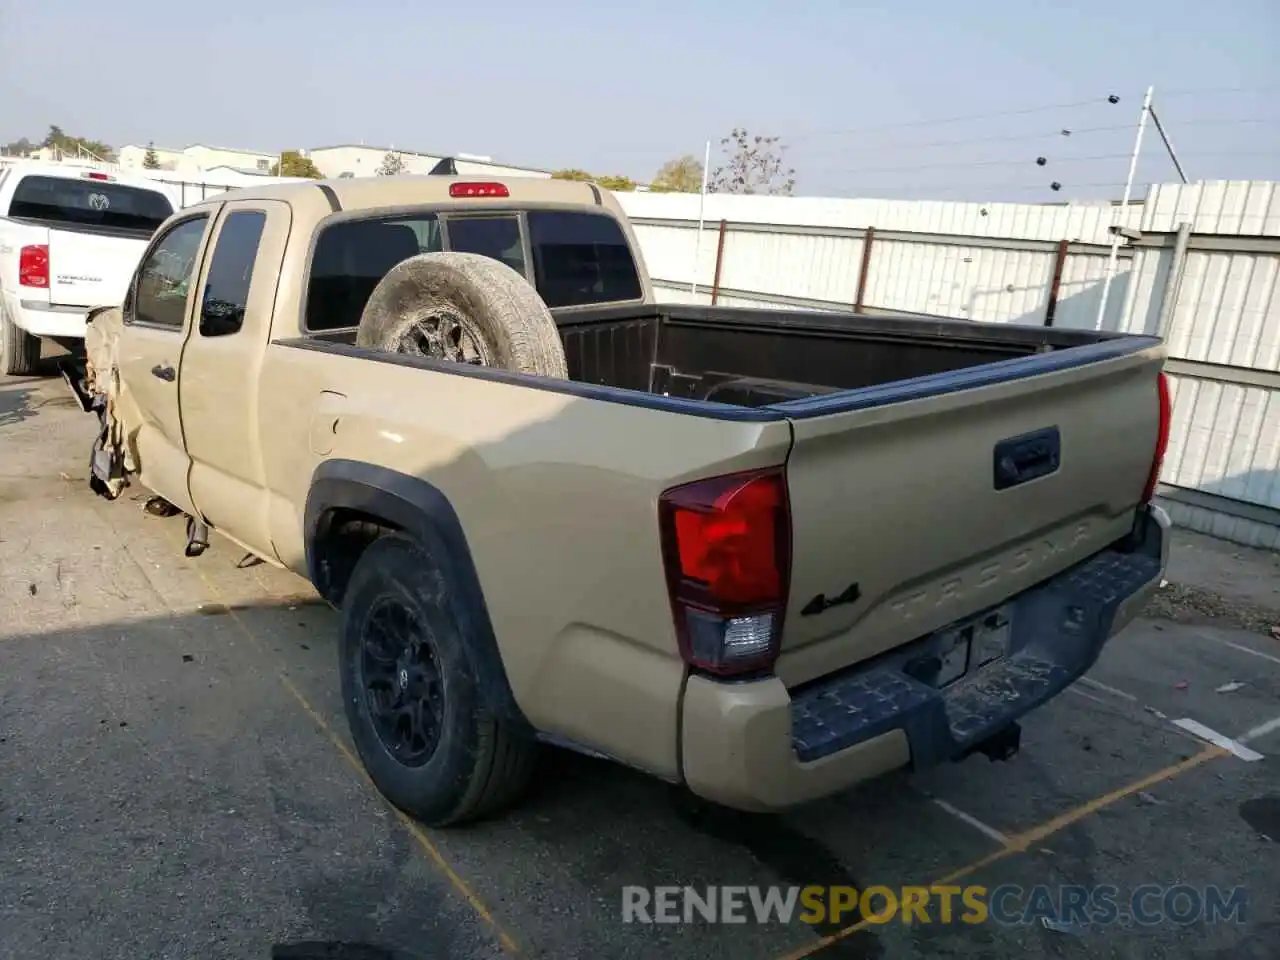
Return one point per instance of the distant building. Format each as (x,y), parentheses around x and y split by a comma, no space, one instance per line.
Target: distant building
(363,160)
(196,158)
(341,160)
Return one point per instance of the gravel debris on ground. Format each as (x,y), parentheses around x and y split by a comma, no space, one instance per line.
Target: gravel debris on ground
(1185,604)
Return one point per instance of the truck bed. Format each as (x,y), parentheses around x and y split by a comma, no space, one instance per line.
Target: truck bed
(749,357)
(934,468)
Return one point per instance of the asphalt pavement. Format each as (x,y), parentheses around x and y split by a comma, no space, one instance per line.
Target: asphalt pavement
(176,780)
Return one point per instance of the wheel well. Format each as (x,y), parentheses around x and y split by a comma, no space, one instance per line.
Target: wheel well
(341,539)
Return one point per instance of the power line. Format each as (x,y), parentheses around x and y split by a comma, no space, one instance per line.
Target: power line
(1065,132)
(1050,161)
(1109,100)
(1205,91)
(1026,111)
(996,187)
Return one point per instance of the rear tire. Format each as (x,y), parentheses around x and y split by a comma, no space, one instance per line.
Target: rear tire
(19,350)
(466,308)
(413,699)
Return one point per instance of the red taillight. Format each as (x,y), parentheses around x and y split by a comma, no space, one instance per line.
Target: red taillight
(478,190)
(33,266)
(726,545)
(1162,437)
(97,176)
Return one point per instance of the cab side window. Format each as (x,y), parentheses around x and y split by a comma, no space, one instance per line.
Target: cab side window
(164,278)
(226,292)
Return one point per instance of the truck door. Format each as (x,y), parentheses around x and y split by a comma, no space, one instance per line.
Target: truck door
(157,310)
(221,365)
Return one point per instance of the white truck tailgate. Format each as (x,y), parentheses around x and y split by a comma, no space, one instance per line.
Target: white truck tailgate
(90,269)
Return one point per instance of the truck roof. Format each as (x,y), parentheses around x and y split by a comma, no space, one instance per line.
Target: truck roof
(70,170)
(362,193)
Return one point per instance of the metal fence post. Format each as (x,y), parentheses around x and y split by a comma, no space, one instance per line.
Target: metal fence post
(1172,283)
(1059,261)
(868,239)
(715,280)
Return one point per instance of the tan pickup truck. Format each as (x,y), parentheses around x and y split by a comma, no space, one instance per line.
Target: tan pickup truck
(763,554)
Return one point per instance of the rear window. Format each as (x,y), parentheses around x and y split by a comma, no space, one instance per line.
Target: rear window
(581,258)
(353,255)
(578,258)
(497,238)
(89,203)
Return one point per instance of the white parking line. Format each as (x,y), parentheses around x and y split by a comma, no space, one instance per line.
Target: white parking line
(1089,696)
(1234,747)
(1099,685)
(1238,646)
(1261,730)
(1186,725)
(974,822)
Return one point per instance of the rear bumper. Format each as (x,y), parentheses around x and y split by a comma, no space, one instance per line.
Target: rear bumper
(47,320)
(758,746)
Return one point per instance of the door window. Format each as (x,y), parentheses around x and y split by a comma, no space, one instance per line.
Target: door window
(166,274)
(494,237)
(226,292)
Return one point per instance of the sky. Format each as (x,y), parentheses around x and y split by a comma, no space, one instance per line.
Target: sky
(855,89)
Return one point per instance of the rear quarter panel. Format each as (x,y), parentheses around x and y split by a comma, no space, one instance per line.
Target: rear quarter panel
(557,496)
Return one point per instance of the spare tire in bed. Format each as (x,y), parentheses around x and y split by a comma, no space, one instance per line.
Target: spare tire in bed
(466,308)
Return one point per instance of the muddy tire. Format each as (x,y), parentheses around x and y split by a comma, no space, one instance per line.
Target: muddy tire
(19,350)
(413,699)
(466,308)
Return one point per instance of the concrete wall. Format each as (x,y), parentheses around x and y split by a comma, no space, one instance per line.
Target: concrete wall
(363,161)
(194,159)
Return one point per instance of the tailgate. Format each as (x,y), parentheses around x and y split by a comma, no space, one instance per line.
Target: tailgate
(919,503)
(90,269)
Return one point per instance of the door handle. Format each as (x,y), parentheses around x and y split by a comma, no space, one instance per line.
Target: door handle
(1028,457)
(164,372)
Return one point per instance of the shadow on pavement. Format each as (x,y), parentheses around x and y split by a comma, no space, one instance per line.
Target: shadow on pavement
(165,794)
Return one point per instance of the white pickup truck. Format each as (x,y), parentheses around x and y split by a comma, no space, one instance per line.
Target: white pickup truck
(70,239)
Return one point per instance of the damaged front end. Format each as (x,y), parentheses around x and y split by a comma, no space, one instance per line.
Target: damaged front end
(95,382)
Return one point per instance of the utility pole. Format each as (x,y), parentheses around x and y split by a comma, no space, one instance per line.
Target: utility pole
(702,209)
(1124,208)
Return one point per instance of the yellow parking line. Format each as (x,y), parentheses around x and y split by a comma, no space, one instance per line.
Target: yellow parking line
(432,851)
(1020,842)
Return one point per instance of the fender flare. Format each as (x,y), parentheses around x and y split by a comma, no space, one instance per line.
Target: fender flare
(423,512)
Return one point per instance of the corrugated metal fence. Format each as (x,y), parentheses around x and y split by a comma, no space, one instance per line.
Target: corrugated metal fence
(1209,289)
(990,262)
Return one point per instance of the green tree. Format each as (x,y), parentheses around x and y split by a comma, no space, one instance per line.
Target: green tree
(754,165)
(71,146)
(392,164)
(616,183)
(293,164)
(681,175)
(17,148)
(149,160)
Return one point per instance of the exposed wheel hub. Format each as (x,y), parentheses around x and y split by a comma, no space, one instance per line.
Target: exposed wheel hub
(402,683)
(446,334)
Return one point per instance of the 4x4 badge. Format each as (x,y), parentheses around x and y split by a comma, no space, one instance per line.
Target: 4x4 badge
(820,603)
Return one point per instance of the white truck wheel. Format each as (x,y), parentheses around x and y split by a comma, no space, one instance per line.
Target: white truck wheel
(19,350)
